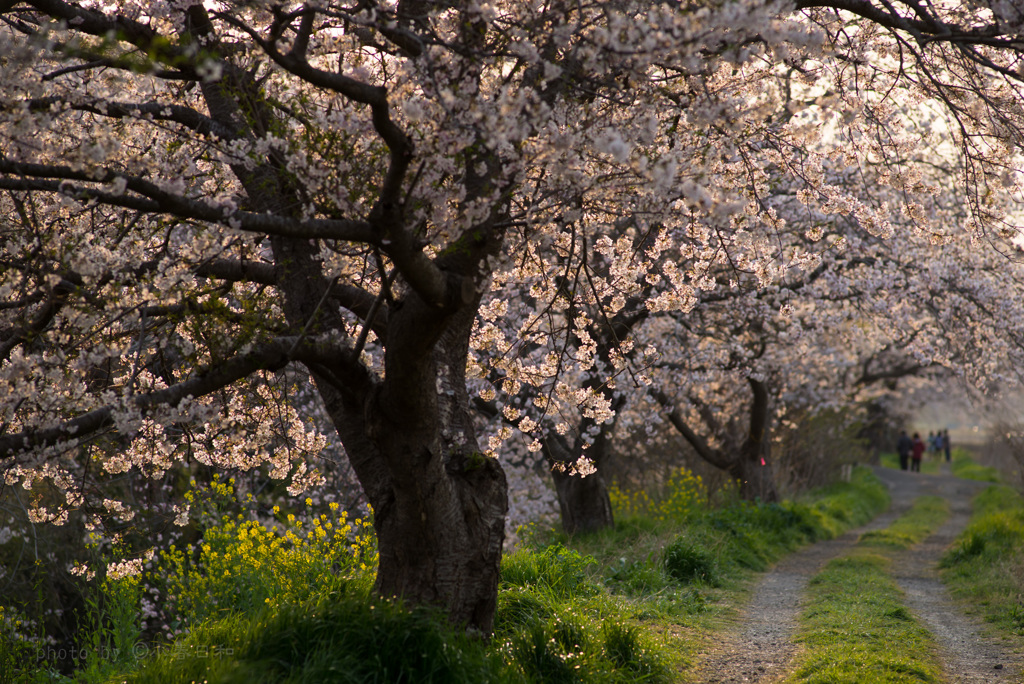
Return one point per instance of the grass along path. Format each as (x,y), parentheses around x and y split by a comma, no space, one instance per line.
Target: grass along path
(966,655)
(969,654)
(855,626)
(759,647)
(985,567)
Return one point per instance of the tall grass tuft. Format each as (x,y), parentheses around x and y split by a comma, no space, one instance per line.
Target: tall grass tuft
(334,638)
(985,566)
(555,623)
(555,569)
(964,466)
(686,561)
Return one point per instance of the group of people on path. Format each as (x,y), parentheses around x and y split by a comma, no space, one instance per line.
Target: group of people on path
(911,449)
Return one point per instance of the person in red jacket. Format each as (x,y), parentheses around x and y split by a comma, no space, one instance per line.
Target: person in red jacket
(916,453)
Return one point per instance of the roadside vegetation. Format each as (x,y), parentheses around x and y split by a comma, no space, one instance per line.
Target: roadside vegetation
(855,627)
(288,599)
(985,567)
(966,467)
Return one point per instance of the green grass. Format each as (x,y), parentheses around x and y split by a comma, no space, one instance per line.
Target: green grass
(683,578)
(336,638)
(985,566)
(965,467)
(855,627)
(912,527)
(556,622)
(634,604)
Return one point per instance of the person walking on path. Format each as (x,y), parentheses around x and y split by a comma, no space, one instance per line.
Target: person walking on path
(916,453)
(903,448)
(945,445)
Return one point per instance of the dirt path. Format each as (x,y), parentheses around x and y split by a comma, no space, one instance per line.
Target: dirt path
(760,649)
(970,657)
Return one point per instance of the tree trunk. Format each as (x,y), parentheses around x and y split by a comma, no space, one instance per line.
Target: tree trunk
(750,465)
(439,504)
(756,479)
(753,467)
(583,501)
(438,511)
(441,545)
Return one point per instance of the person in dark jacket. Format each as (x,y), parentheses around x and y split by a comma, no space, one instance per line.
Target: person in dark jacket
(903,448)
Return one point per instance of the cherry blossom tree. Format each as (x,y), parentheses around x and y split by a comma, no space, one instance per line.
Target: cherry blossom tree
(927,302)
(203,199)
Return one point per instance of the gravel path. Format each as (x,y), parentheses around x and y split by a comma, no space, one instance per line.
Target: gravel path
(760,648)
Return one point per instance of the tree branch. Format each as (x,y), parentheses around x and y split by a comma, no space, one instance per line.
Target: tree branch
(699,444)
(50,308)
(156,111)
(272,355)
(30,177)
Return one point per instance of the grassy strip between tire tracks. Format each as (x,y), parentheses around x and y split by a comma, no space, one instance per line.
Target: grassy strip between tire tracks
(855,628)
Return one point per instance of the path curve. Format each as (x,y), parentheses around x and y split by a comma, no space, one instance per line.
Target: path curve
(761,649)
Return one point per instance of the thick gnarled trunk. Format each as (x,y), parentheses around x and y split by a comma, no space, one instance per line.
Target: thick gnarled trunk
(442,545)
(439,504)
(439,513)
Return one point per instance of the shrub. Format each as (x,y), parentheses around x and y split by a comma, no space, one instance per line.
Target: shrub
(682,496)
(687,562)
(242,563)
(555,569)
